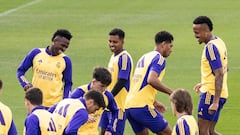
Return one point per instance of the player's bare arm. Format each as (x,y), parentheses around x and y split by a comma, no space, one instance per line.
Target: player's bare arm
(157,84)
(218,89)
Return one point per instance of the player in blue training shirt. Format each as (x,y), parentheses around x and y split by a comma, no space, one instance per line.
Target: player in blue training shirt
(70,114)
(214,67)
(100,80)
(7,126)
(120,66)
(52,69)
(181,103)
(142,110)
(38,121)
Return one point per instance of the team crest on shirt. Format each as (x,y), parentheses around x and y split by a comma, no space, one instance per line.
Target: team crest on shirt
(58,65)
(40,61)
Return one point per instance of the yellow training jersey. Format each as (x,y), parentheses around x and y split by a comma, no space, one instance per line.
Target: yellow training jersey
(186,125)
(120,67)
(45,122)
(47,75)
(214,56)
(91,128)
(141,93)
(5,119)
(64,113)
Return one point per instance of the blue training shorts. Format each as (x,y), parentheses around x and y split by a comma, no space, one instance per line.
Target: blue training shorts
(206,100)
(146,117)
(104,121)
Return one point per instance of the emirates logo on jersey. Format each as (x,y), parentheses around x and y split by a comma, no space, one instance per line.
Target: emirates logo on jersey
(58,65)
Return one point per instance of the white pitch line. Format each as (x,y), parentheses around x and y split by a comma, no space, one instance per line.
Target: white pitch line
(18,8)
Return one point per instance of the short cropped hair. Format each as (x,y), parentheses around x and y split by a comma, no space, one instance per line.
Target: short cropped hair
(204,20)
(62,33)
(97,97)
(182,100)
(117,32)
(103,75)
(34,95)
(163,36)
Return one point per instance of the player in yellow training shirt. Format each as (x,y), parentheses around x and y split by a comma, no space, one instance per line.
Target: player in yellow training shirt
(141,107)
(7,126)
(52,69)
(100,80)
(38,121)
(120,65)
(70,114)
(181,103)
(214,67)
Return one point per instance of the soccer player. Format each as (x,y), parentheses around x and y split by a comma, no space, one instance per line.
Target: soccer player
(141,106)
(38,121)
(120,66)
(7,126)
(214,67)
(52,69)
(70,114)
(181,103)
(100,80)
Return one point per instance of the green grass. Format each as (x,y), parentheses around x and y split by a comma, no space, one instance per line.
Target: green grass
(91,20)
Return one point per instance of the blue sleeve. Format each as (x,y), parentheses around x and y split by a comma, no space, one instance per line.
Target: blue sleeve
(125,66)
(32,125)
(213,56)
(112,106)
(12,130)
(158,64)
(25,65)
(78,119)
(67,77)
(52,108)
(77,93)
(185,127)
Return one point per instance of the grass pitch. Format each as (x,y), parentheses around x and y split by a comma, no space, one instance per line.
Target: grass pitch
(25,26)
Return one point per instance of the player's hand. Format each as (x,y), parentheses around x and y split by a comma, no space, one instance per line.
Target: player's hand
(197,88)
(27,86)
(91,119)
(213,108)
(160,107)
(107,133)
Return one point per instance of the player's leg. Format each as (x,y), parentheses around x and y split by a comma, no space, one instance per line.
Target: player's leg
(205,120)
(151,119)
(203,126)
(204,117)
(144,132)
(213,123)
(156,122)
(166,131)
(212,128)
(137,127)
